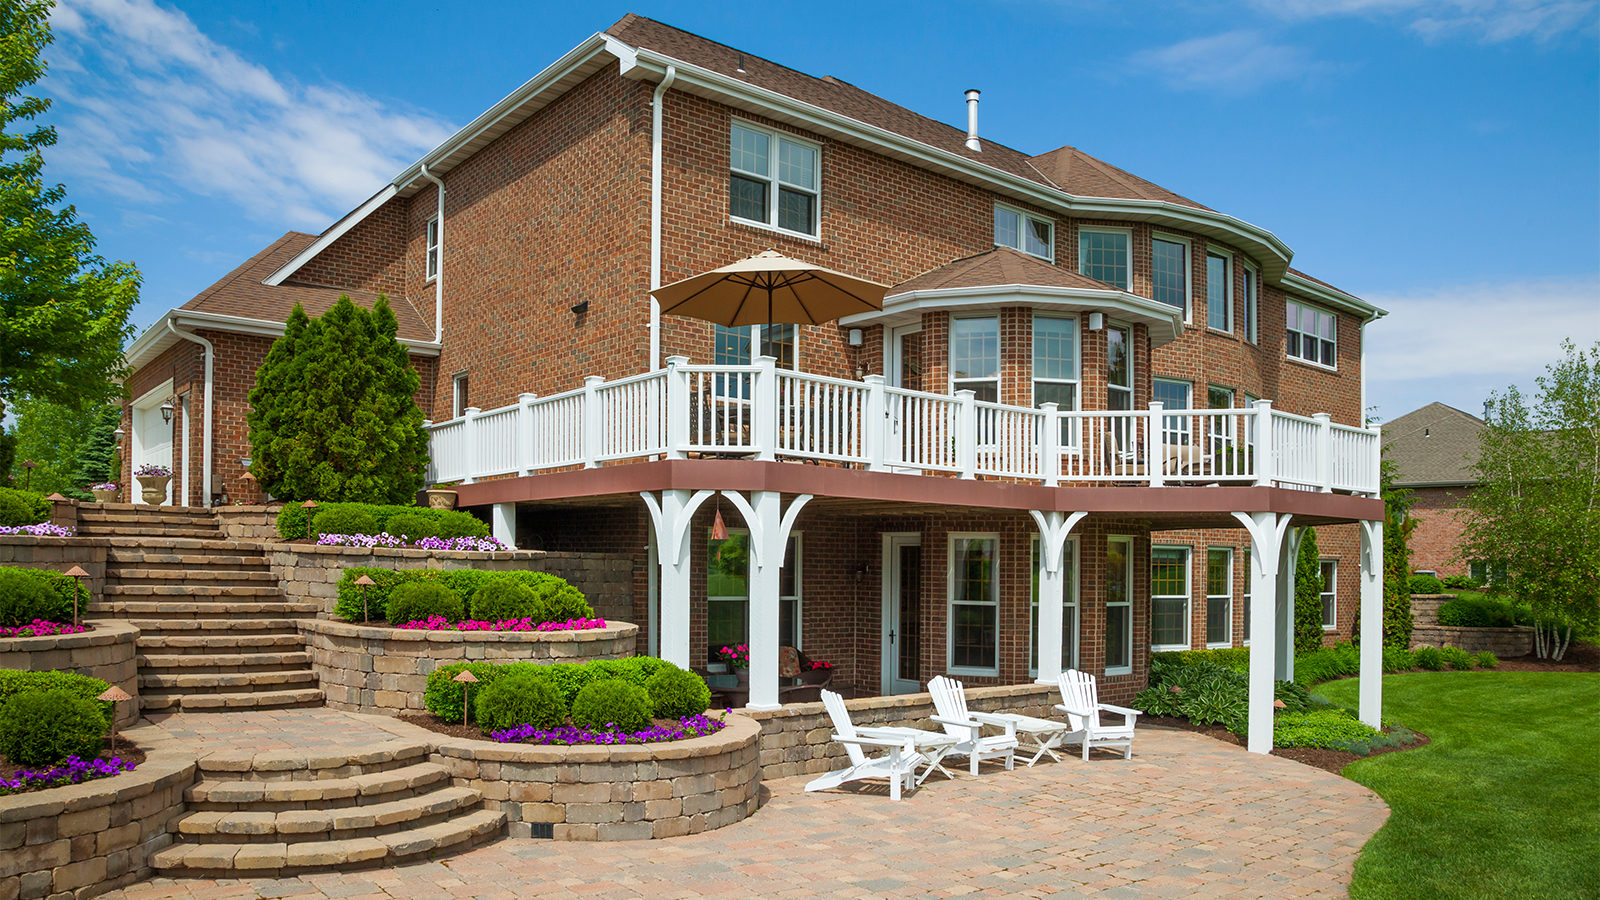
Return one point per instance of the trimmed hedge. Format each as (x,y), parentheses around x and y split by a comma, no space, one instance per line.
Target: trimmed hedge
(42,728)
(420,600)
(28,594)
(1476,610)
(520,698)
(554,600)
(345,520)
(612,704)
(1425,584)
(446,523)
(19,507)
(442,696)
(14,682)
(678,694)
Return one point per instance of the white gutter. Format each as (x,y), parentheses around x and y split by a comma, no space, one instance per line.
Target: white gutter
(205,436)
(152,339)
(438,275)
(655,213)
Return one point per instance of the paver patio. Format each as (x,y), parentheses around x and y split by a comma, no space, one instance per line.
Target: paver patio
(1187,817)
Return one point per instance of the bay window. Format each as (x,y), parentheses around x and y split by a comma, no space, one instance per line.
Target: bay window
(975,357)
(1219,290)
(1169,272)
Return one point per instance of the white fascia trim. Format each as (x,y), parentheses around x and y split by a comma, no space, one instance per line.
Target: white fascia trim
(336,231)
(912,303)
(145,345)
(1332,297)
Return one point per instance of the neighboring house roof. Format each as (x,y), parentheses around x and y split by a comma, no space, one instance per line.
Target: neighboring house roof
(1000,266)
(1433,446)
(241,294)
(1076,172)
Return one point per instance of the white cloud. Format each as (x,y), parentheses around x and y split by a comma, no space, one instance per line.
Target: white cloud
(1490,21)
(149,107)
(1234,62)
(1456,344)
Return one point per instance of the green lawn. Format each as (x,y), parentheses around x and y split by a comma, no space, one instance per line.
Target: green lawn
(1505,802)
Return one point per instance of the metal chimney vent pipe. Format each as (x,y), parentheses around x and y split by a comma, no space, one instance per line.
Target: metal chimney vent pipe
(972,122)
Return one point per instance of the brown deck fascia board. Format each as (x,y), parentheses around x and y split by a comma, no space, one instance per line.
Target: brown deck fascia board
(1164,503)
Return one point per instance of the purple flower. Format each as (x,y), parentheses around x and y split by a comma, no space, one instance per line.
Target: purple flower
(569,735)
(150,471)
(72,771)
(440,623)
(43,529)
(104,486)
(385,539)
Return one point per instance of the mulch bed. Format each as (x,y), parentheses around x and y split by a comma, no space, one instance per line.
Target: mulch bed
(127,751)
(1328,760)
(1578,658)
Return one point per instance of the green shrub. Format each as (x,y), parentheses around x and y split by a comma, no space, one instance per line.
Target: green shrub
(612,704)
(1456,658)
(523,697)
(292,521)
(1477,610)
(554,599)
(1423,583)
(1237,658)
(1462,583)
(41,728)
(1332,729)
(421,599)
(676,693)
(1396,659)
(442,697)
(1486,659)
(14,682)
(1429,658)
(413,525)
(1295,697)
(23,507)
(502,598)
(345,520)
(1342,660)
(28,594)
(565,602)
(445,523)
(385,581)
(453,523)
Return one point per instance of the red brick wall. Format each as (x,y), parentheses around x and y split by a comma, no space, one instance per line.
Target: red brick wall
(369,257)
(1441,527)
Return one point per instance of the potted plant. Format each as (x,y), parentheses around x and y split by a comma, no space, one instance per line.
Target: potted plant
(105,492)
(817,672)
(737,658)
(440,496)
(153,481)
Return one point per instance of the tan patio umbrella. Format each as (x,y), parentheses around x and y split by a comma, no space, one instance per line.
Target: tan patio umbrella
(769,288)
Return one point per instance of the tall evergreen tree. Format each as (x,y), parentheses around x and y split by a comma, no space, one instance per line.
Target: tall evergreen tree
(1308,595)
(333,415)
(1397,528)
(94,459)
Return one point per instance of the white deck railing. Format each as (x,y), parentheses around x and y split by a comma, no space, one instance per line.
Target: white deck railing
(762,412)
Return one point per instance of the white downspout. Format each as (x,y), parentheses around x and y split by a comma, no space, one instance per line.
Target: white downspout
(438,275)
(655,214)
(205,436)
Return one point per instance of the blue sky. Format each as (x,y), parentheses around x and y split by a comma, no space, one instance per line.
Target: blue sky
(1440,158)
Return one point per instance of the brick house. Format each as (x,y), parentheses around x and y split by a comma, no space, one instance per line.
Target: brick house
(884,476)
(1434,450)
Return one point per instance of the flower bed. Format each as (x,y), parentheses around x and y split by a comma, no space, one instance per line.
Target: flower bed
(41,628)
(43,529)
(108,652)
(385,539)
(439,623)
(570,735)
(72,771)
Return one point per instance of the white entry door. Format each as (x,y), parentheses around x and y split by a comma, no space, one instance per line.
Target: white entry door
(152,439)
(902,614)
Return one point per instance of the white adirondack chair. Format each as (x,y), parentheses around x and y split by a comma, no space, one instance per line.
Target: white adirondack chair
(950,707)
(1042,736)
(1082,705)
(899,765)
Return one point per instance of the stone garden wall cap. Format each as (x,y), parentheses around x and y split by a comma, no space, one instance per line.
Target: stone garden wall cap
(466,677)
(114,694)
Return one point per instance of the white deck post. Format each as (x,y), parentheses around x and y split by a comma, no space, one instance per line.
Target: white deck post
(1155,445)
(1375,460)
(874,423)
(1371,702)
(1266,545)
(469,443)
(670,517)
(1054,527)
(769,525)
(504,517)
(1324,451)
(677,411)
(1266,471)
(1050,450)
(764,410)
(593,421)
(1289,562)
(967,433)
(526,461)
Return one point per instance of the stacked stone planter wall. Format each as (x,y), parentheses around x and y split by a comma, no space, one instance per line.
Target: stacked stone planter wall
(385,670)
(311,573)
(606,579)
(58,554)
(86,839)
(1427,632)
(108,653)
(797,739)
(248,523)
(629,792)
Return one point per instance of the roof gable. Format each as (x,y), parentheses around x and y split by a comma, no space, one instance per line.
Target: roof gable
(1436,444)
(1076,172)
(1000,266)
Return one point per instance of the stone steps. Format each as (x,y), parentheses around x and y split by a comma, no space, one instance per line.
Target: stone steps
(130,576)
(188,609)
(194,587)
(265,661)
(90,529)
(162,701)
(187,644)
(229,557)
(370,788)
(154,626)
(226,682)
(296,825)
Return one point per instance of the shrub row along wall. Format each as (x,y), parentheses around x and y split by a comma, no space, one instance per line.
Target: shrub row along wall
(797,739)
(85,839)
(385,670)
(108,653)
(621,793)
(309,572)
(1503,642)
(58,554)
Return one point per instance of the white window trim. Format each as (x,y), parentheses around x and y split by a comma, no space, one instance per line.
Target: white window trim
(950,602)
(1227,641)
(1317,363)
(1228,288)
(1106,229)
(457,407)
(1245,599)
(1022,217)
(1330,589)
(1184,423)
(432,248)
(775,183)
(1000,353)
(1188,597)
(756,340)
(1128,541)
(799,587)
(1069,598)
(1188,270)
(1253,304)
(1133,365)
(1077,383)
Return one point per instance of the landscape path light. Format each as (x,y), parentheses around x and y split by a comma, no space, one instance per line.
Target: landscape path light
(30,465)
(308,506)
(467,680)
(363,582)
(114,695)
(77,574)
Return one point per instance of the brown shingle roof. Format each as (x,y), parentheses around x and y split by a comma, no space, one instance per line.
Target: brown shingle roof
(1076,172)
(1002,265)
(1436,444)
(241,292)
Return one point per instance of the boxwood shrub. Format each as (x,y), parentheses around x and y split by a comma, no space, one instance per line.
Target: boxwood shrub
(1477,610)
(14,682)
(612,704)
(345,520)
(28,594)
(677,693)
(41,728)
(442,697)
(446,523)
(23,507)
(519,698)
(1423,583)
(419,600)
(554,600)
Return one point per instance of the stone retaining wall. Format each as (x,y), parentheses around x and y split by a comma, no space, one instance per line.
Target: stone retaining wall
(622,793)
(1425,608)
(364,668)
(248,523)
(309,572)
(606,579)
(797,739)
(1507,643)
(58,554)
(86,839)
(108,653)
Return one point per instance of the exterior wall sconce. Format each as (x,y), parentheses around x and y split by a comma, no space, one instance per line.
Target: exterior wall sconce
(166,412)
(580,308)
(855,337)
(1097,321)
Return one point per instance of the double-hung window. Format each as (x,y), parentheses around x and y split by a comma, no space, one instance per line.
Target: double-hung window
(1219,596)
(1055,368)
(1119,605)
(1173,395)
(459,401)
(1103,254)
(1252,302)
(728,593)
(1312,335)
(1031,234)
(775,180)
(975,357)
(433,248)
(1219,430)
(738,346)
(1169,598)
(1330,594)
(1069,609)
(1219,290)
(1244,596)
(974,604)
(1169,272)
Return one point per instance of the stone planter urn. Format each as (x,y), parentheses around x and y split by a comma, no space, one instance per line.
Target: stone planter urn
(154,488)
(104,496)
(441,499)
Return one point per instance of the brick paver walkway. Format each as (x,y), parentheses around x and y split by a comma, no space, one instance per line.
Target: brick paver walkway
(1187,817)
